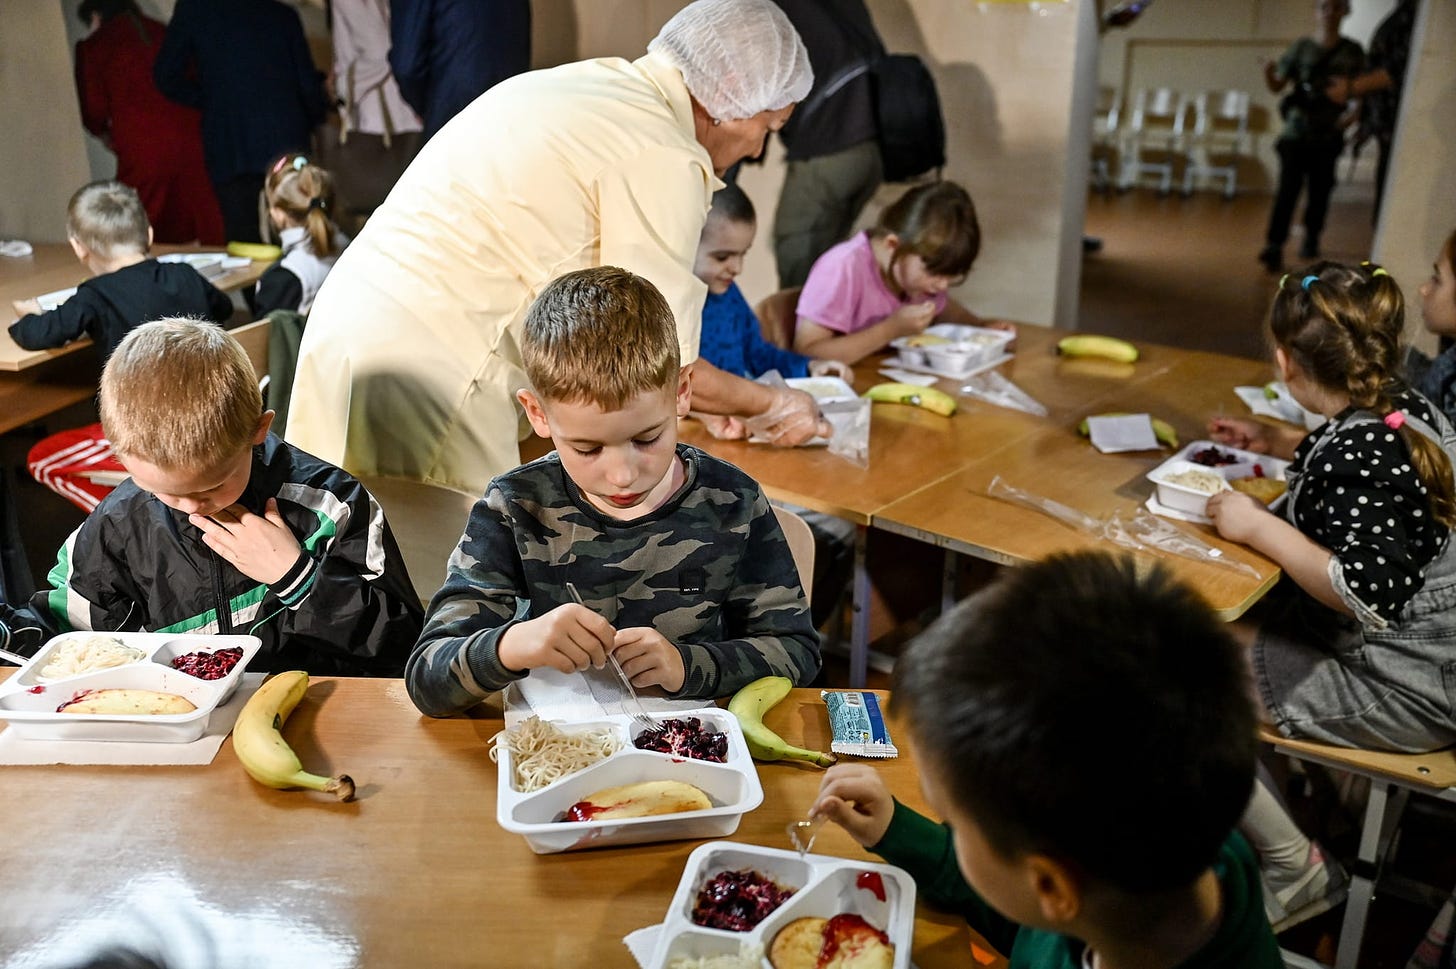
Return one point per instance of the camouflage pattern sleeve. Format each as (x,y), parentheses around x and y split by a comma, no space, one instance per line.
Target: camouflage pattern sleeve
(455,665)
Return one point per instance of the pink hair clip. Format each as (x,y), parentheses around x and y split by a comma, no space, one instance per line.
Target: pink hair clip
(1395,419)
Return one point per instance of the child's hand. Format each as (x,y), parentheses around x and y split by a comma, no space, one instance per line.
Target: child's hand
(1237,516)
(1240,432)
(27,307)
(570,637)
(262,547)
(912,319)
(831,368)
(722,426)
(854,797)
(649,659)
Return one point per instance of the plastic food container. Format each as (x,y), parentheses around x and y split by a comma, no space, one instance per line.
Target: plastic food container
(29,701)
(1232,464)
(824,887)
(732,786)
(951,349)
(823,388)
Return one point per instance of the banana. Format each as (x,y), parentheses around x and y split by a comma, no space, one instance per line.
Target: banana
(1088,345)
(751,703)
(256,251)
(260,746)
(1162,430)
(639,800)
(935,401)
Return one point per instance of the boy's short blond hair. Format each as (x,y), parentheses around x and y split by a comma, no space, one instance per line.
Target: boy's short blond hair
(180,394)
(602,336)
(108,218)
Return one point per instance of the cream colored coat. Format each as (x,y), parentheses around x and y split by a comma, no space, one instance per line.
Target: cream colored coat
(410,361)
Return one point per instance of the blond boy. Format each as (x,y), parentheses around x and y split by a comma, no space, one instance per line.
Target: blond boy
(223,528)
(685,575)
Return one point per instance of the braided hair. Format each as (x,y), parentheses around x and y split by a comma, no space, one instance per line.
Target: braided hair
(1342,325)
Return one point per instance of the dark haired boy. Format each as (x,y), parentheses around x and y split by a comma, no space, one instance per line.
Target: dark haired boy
(1086,729)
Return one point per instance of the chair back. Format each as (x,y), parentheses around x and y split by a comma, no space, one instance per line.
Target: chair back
(801,546)
(254,338)
(1109,112)
(1221,112)
(1157,110)
(427,520)
(778,315)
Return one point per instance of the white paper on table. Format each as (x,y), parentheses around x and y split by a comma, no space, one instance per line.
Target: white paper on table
(908,377)
(14,750)
(641,943)
(16,248)
(587,695)
(1281,407)
(1125,432)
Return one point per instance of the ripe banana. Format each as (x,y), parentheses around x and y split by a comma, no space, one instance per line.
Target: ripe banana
(1162,430)
(639,800)
(936,401)
(260,746)
(751,703)
(1088,345)
(256,251)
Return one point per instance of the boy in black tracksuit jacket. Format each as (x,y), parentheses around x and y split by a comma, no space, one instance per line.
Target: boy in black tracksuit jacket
(250,535)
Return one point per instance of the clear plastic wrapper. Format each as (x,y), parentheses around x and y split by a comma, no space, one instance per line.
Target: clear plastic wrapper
(994,388)
(851,422)
(1141,531)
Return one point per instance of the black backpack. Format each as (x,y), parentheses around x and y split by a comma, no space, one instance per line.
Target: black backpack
(907,107)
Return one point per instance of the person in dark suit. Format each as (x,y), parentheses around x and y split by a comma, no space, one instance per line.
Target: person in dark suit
(446,53)
(246,65)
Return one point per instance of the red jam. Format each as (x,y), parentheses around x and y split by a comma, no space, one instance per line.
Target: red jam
(870,881)
(849,932)
(583,811)
(738,900)
(36,690)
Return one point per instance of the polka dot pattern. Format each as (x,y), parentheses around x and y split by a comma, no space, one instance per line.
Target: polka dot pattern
(1362,500)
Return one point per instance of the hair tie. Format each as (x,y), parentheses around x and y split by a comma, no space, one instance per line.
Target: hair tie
(1374,269)
(317,202)
(1304,283)
(1283,279)
(1378,271)
(1395,419)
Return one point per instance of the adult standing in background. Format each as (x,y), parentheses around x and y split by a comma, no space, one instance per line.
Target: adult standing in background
(1380,87)
(378,130)
(1314,128)
(245,64)
(157,143)
(411,361)
(447,53)
(833,155)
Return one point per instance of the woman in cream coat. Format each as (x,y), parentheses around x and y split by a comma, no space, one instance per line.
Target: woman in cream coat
(410,361)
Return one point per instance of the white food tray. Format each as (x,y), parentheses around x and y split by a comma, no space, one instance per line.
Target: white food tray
(1187,504)
(209,264)
(732,786)
(29,701)
(824,887)
(823,388)
(969,350)
(901,363)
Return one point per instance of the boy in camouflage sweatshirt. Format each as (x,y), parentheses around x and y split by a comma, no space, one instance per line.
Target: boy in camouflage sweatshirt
(685,573)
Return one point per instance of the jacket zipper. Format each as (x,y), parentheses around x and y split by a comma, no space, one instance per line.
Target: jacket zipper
(220,600)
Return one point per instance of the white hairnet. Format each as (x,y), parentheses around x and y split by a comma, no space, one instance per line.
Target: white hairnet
(738,57)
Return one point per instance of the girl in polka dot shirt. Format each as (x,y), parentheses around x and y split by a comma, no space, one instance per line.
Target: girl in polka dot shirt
(1360,649)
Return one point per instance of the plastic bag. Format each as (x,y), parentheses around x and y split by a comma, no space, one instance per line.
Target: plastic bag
(1142,531)
(851,422)
(994,388)
(784,416)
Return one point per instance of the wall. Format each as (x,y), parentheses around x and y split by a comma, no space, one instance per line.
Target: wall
(1202,45)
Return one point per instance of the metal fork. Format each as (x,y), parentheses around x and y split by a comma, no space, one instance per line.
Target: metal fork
(626,684)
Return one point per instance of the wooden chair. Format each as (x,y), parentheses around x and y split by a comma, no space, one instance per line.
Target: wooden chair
(801,546)
(254,338)
(777,315)
(1393,778)
(427,521)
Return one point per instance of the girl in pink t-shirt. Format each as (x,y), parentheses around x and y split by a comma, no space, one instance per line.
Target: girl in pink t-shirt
(891,281)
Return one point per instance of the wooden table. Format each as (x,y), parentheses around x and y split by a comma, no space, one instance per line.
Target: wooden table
(53,266)
(415,873)
(927,474)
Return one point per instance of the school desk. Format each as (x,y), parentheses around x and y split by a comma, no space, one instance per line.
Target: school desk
(416,872)
(927,474)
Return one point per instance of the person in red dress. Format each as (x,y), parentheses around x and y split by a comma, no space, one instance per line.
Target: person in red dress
(158,143)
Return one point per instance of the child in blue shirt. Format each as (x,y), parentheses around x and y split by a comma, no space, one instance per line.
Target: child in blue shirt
(731,339)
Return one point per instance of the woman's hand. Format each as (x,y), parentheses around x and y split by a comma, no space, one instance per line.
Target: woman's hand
(1237,516)
(570,637)
(854,797)
(649,659)
(791,420)
(722,426)
(831,368)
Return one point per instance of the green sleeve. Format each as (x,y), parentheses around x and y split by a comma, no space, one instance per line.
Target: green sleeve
(924,849)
